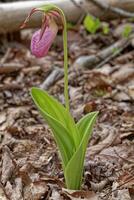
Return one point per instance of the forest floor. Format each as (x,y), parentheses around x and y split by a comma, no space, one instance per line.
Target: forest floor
(30,167)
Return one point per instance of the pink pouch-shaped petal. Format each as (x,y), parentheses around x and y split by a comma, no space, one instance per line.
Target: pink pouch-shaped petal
(41,43)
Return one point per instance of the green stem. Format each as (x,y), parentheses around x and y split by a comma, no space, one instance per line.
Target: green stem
(47,9)
(65,65)
(66,93)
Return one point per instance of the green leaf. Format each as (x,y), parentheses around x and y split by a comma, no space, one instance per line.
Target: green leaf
(91,24)
(127,31)
(74,169)
(59,120)
(56,110)
(65,143)
(84,123)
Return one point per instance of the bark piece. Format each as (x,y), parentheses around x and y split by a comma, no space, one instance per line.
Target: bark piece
(13,14)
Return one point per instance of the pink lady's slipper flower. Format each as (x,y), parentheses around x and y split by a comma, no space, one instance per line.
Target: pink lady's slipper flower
(43,38)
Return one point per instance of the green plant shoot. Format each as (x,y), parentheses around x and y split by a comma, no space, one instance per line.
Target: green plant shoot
(71,138)
(127,31)
(91,24)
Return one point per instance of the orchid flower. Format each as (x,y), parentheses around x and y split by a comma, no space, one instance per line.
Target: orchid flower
(71,138)
(43,38)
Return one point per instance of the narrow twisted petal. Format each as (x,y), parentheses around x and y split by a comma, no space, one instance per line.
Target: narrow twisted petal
(41,42)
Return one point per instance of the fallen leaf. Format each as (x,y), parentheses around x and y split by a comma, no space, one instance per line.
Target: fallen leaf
(75,195)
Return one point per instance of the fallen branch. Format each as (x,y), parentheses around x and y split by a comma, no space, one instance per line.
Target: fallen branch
(103,56)
(107,7)
(114,54)
(13,14)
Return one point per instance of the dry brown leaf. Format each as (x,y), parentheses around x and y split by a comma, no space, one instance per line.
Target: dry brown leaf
(7,165)
(2,194)
(35,191)
(103,144)
(14,191)
(122,195)
(124,73)
(75,195)
(126,180)
(99,186)
(2,117)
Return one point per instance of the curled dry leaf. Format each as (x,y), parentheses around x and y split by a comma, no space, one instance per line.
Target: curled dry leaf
(103,144)
(99,186)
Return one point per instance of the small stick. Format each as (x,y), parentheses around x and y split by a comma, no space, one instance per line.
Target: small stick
(55,75)
(113,55)
(5,57)
(119,11)
(90,61)
(13,86)
(8,68)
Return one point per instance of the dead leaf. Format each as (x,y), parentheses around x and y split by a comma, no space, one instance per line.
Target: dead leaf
(124,73)
(36,191)
(2,194)
(2,117)
(75,195)
(7,165)
(14,191)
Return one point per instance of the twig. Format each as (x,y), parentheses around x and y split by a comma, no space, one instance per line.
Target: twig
(13,86)
(7,68)
(107,7)
(113,55)
(103,56)
(55,75)
(5,57)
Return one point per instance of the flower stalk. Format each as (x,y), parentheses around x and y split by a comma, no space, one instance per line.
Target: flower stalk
(66,92)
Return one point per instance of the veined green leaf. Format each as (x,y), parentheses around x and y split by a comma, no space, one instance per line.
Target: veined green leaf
(84,123)
(74,169)
(56,110)
(64,142)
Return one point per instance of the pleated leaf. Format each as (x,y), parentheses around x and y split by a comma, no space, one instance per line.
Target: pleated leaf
(64,142)
(56,110)
(53,112)
(84,123)
(74,169)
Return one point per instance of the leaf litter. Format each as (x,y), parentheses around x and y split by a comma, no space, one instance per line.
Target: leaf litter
(30,167)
